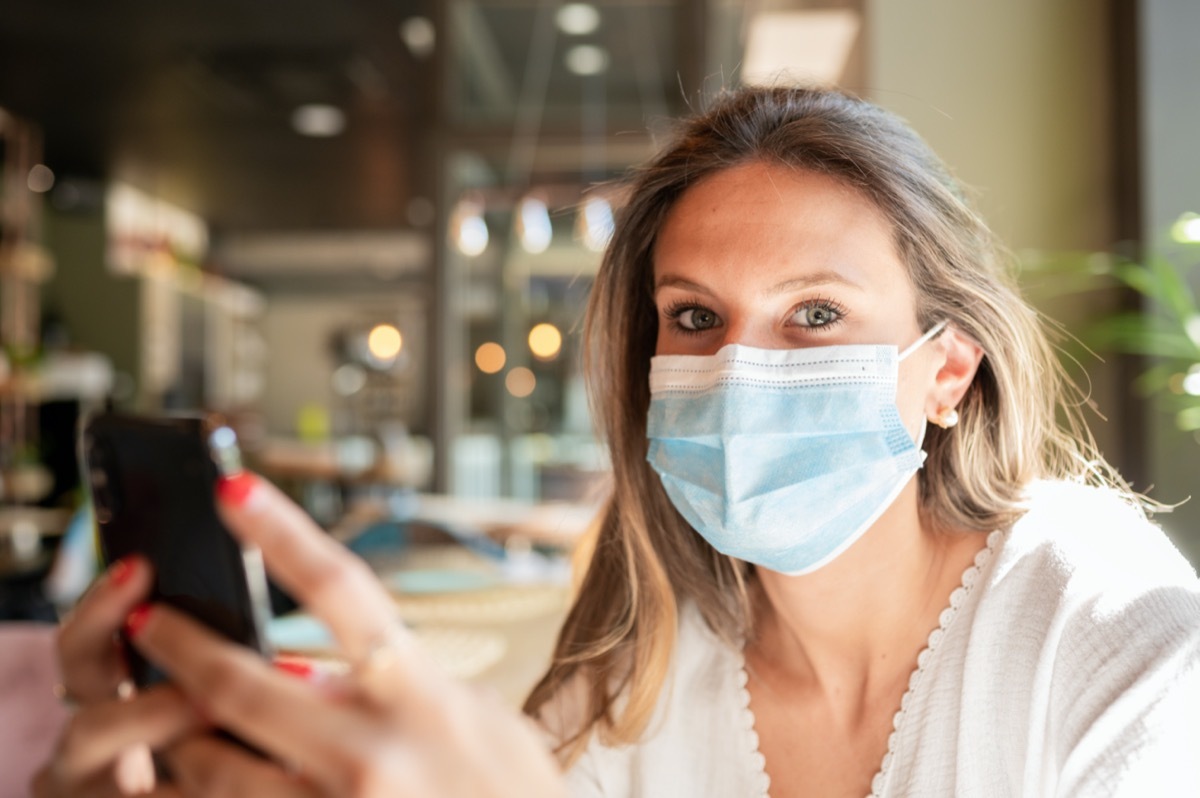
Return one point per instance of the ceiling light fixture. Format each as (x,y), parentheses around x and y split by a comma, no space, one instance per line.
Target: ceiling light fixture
(587,59)
(577,19)
(533,225)
(468,229)
(419,36)
(318,120)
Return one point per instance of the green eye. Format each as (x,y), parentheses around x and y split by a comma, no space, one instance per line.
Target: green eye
(817,314)
(697,319)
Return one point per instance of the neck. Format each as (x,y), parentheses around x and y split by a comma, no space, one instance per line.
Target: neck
(853,628)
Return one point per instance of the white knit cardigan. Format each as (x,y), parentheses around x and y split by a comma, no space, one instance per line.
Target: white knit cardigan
(1066,664)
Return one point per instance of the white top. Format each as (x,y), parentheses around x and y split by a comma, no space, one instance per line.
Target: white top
(1067,664)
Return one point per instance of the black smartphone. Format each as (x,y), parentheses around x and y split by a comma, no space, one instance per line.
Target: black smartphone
(153,482)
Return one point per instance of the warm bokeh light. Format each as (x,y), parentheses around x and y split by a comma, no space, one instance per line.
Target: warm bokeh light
(490,357)
(545,341)
(520,382)
(384,342)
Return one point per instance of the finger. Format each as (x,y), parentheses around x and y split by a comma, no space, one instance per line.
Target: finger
(322,575)
(243,693)
(205,765)
(134,772)
(102,785)
(90,659)
(96,736)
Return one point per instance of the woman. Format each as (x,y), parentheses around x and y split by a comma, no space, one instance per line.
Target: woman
(796,585)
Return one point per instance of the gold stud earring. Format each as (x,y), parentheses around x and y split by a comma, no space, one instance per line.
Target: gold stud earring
(946,418)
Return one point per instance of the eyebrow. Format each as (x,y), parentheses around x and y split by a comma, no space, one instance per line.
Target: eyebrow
(796,283)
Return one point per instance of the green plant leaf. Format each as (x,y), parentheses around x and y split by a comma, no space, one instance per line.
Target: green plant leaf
(1174,291)
(1155,379)
(1139,278)
(1143,334)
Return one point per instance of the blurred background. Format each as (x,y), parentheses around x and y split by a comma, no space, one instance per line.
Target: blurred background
(365,230)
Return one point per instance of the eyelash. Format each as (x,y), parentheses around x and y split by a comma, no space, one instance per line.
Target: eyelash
(679,307)
(824,303)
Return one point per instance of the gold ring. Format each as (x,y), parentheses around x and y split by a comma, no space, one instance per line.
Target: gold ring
(374,671)
(125,690)
(381,654)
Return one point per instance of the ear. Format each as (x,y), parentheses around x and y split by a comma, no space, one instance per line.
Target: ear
(962,357)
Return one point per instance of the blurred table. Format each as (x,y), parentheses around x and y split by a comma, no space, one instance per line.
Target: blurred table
(475,621)
(483,583)
(526,615)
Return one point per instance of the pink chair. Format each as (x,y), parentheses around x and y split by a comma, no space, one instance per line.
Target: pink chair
(30,715)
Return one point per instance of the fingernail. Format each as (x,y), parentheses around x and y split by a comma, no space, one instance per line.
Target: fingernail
(136,620)
(122,570)
(235,490)
(295,667)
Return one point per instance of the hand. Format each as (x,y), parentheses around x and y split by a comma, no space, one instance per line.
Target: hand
(400,729)
(103,750)
(91,660)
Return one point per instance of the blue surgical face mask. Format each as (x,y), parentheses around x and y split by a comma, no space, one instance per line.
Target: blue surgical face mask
(782,457)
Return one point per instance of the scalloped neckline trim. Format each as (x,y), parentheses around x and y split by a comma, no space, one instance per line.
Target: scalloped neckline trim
(958,597)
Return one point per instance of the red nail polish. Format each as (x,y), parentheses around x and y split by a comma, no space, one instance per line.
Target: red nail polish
(295,667)
(235,490)
(136,620)
(122,570)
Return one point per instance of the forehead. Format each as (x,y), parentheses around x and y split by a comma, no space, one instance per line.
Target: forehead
(760,219)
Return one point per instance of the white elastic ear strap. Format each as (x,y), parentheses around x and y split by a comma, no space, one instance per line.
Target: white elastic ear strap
(920,442)
(934,330)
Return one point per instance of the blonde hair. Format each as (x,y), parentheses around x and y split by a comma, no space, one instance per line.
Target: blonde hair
(1015,422)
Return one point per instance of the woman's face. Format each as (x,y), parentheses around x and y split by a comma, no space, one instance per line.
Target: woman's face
(778,258)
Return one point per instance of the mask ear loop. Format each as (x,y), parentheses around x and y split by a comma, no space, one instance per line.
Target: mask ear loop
(915,345)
